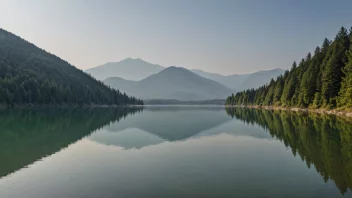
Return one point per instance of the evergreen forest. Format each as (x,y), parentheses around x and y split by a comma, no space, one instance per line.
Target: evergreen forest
(321,80)
(30,75)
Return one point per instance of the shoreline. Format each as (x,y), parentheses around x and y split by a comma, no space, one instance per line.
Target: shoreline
(347,114)
(342,113)
(24,106)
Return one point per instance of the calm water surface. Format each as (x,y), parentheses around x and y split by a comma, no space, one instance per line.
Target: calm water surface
(173,152)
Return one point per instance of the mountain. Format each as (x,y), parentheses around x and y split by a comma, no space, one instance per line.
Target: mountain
(176,83)
(129,69)
(121,84)
(241,82)
(30,75)
(231,81)
(259,78)
(138,69)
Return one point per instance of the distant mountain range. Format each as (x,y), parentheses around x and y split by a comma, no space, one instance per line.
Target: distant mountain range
(231,81)
(129,69)
(152,81)
(240,82)
(172,83)
(120,83)
(259,78)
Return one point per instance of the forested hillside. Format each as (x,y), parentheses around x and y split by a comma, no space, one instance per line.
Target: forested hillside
(30,75)
(323,80)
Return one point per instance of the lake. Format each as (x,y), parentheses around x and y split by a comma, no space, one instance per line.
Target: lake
(173,152)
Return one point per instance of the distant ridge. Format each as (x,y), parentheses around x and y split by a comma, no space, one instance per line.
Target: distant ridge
(129,69)
(231,81)
(119,83)
(259,78)
(174,83)
(126,74)
(241,82)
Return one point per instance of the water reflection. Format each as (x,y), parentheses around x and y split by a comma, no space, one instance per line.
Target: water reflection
(30,134)
(322,141)
(158,124)
(174,152)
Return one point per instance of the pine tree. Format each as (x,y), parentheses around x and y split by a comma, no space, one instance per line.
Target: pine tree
(332,75)
(322,80)
(279,86)
(345,94)
(270,94)
(308,84)
(289,87)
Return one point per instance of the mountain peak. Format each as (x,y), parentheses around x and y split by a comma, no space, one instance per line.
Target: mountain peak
(174,83)
(128,68)
(173,70)
(176,68)
(133,59)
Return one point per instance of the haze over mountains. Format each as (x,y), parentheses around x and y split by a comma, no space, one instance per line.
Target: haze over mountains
(120,83)
(172,83)
(259,78)
(152,81)
(30,75)
(129,69)
(231,81)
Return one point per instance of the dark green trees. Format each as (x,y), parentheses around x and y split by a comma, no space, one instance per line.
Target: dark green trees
(323,80)
(332,75)
(30,75)
(345,94)
(289,88)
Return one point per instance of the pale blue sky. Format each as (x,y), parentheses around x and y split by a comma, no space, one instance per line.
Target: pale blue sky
(217,36)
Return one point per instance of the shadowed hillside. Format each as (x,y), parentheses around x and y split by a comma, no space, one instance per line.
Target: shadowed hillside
(30,75)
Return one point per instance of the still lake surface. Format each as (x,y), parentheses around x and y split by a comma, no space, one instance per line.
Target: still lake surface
(173,152)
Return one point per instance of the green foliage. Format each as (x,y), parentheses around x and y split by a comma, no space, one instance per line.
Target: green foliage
(332,74)
(345,94)
(321,80)
(30,75)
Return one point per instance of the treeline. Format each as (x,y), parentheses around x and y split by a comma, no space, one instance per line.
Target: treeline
(30,75)
(322,141)
(323,80)
(180,102)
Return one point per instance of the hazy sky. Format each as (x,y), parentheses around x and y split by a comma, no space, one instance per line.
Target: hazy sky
(217,36)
